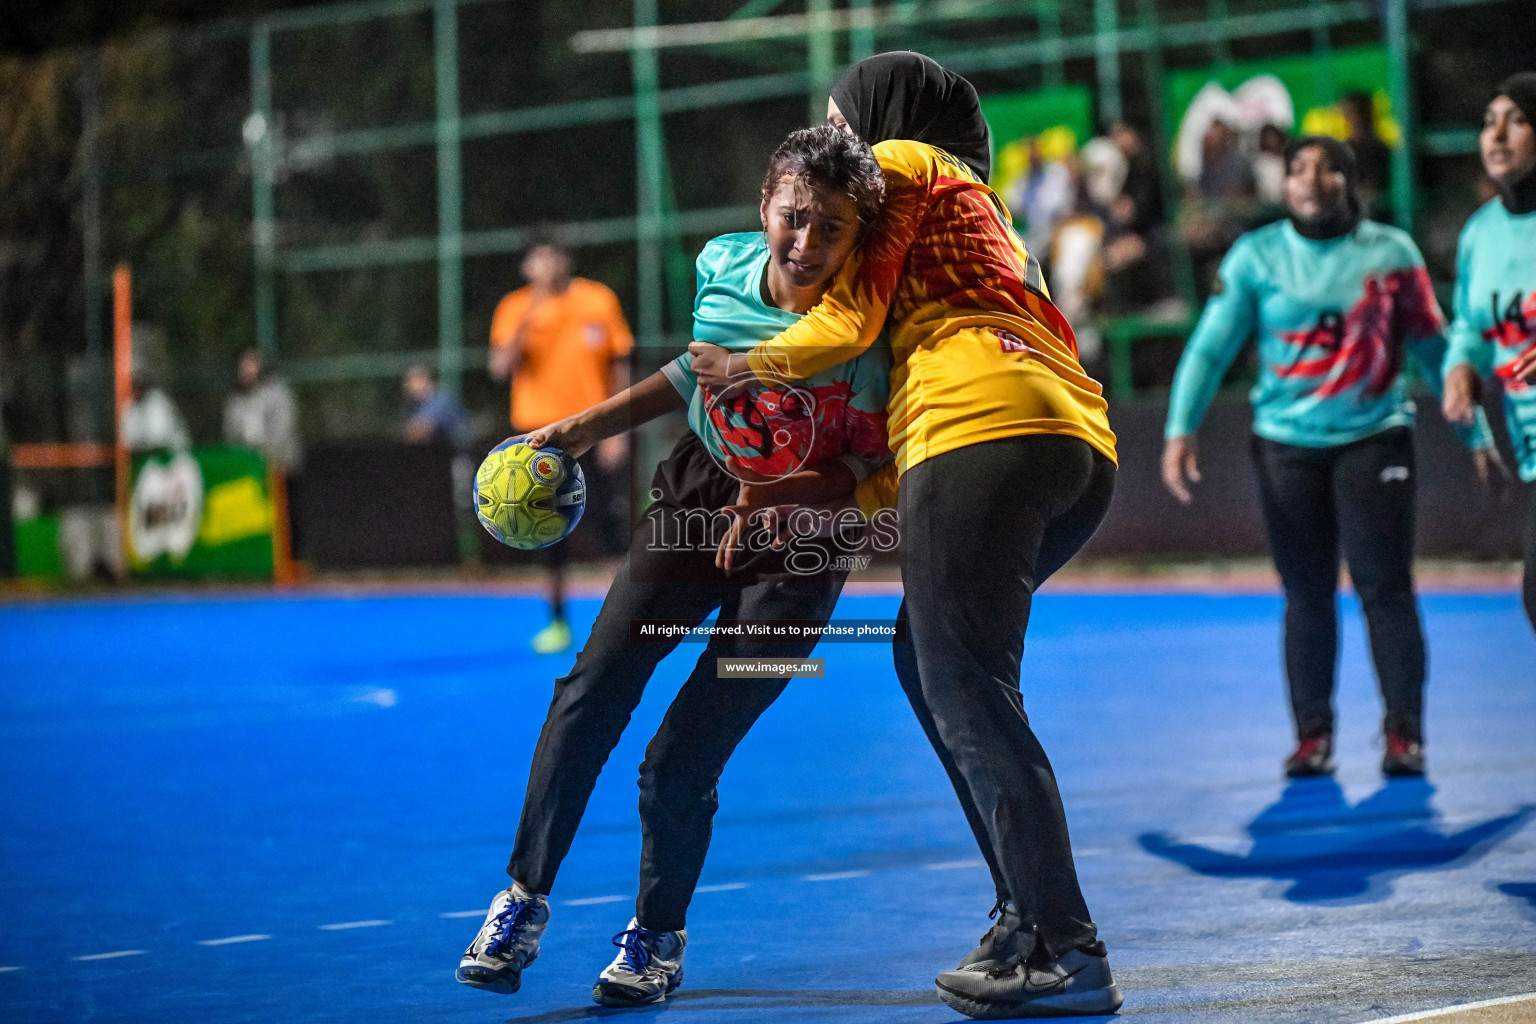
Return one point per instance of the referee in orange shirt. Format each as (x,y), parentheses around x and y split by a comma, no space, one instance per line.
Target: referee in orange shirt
(564,342)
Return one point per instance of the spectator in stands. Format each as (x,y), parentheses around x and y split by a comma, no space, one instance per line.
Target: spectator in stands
(432,416)
(564,342)
(1045,197)
(151,420)
(1269,166)
(262,414)
(1225,173)
(1139,210)
(1372,155)
(1221,203)
(1136,263)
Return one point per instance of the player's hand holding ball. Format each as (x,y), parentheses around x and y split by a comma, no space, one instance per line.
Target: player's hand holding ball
(529,497)
(569,435)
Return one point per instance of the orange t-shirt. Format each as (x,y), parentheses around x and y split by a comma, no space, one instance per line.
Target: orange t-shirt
(570,341)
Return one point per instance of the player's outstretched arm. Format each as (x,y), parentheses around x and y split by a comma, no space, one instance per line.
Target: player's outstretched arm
(575,435)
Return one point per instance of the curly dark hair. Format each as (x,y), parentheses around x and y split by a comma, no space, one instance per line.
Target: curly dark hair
(829,158)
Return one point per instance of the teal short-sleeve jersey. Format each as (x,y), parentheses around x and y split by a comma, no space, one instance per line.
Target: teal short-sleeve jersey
(769,431)
(1494,310)
(1334,321)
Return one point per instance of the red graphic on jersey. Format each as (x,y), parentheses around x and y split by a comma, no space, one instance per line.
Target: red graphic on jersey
(1514,330)
(1365,345)
(771,432)
(951,245)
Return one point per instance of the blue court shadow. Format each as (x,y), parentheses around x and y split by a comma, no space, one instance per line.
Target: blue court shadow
(1524,892)
(1329,850)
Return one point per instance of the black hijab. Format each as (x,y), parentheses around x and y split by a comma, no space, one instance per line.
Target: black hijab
(904,95)
(1332,223)
(1519,193)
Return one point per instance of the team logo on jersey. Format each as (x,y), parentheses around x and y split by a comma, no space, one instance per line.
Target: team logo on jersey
(1364,346)
(1514,327)
(1392,473)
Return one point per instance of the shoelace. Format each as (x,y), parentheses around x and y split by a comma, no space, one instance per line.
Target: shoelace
(637,956)
(997,908)
(509,924)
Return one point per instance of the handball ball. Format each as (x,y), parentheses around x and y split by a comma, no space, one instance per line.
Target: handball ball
(529,497)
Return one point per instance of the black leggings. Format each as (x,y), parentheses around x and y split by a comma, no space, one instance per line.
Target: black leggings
(984,526)
(1530,554)
(708,718)
(1359,495)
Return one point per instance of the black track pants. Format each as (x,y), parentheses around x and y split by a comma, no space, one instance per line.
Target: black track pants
(708,718)
(983,526)
(1358,496)
(1530,554)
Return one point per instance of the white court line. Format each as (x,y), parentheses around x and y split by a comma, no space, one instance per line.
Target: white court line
(833,876)
(343,926)
(723,887)
(4,970)
(232,940)
(593,900)
(112,956)
(463,913)
(952,865)
(1446,1011)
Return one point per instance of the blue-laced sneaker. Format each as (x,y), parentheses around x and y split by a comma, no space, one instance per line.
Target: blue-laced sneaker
(649,965)
(507,943)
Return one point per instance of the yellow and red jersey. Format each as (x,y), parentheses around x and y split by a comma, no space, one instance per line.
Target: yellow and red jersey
(570,341)
(978,350)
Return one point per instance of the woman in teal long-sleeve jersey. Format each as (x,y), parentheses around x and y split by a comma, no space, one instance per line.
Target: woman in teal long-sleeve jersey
(1494,330)
(1336,302)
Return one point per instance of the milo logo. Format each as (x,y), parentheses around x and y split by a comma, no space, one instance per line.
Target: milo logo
(166,508)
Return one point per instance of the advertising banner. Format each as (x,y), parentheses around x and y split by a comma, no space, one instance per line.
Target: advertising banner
(1298,94)
(204,512)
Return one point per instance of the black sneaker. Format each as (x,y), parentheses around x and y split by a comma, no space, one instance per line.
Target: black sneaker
(1311,757)
(649,965)
(508,941)
(1076,984)
(1001,941)
(1404,757)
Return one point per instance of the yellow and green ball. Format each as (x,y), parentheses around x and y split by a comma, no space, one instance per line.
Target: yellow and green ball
(529,497)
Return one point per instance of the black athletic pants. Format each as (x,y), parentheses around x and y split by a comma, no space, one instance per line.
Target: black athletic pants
(983,527)
(1360,496)
(708,718)
(1530,554)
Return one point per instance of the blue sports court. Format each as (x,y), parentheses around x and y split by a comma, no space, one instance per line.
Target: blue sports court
(282,809)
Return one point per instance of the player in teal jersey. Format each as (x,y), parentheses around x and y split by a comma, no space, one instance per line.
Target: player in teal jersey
(1336,301)
(1494,305)
(808,442)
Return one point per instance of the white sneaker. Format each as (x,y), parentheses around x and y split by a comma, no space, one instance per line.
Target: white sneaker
(649,965)
(507,943)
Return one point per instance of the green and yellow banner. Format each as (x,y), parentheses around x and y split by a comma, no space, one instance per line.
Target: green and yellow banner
(204,512)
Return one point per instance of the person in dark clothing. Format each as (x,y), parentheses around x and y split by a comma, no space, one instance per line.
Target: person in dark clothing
(1373,157)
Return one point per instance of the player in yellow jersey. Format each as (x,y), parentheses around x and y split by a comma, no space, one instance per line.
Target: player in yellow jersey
(1006,466)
